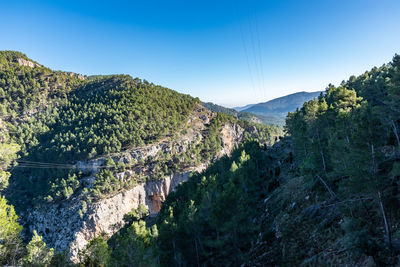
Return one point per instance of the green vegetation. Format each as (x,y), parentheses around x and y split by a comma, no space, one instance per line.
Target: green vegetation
(218,108)
(133,245)
(208,220)
(346,146)
(10,231)
(112,114)
(96,253)
(11,247)
(60,118)
(12,250)
(8,153)
(38,254)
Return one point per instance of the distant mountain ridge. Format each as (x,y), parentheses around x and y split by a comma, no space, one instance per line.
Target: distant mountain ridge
(244,107)
(270,112)
(282,105)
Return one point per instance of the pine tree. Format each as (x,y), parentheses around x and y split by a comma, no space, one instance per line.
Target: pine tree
(95,254)
(37,253)
(10,230)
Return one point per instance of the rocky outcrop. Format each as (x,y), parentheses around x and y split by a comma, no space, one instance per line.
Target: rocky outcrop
(77,75)
(231,135)
(64,229)
(27,63)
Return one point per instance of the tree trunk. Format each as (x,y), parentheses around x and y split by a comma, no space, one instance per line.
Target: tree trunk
(175,258)
(323,160)
(197,253)
(327,187)
(386,224)
(382,209)
(321,152)
(396,133)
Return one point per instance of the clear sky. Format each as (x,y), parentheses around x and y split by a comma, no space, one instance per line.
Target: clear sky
(229,52)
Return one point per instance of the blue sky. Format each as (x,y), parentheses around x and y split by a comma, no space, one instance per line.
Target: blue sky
(228,52)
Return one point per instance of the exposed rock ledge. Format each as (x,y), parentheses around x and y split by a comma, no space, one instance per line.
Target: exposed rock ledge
(27,63)
(65,230)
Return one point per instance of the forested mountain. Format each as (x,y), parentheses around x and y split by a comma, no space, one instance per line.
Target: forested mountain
(218,108)
(71,144)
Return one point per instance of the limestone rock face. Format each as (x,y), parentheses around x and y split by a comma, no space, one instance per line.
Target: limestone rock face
(232,134)
(24,62)
(64,229)
(79,76)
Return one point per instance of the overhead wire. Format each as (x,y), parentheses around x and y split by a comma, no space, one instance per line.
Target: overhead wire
(43,165)
(52,165)
(260,55)
(245,50)
(254,49)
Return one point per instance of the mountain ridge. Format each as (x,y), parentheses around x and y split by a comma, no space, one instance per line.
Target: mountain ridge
(241,108)
(279,105)
(272,112)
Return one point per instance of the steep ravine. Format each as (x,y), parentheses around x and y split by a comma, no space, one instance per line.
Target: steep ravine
(64,229)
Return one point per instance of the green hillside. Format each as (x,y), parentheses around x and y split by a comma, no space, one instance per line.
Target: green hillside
(218,108)
(60,118)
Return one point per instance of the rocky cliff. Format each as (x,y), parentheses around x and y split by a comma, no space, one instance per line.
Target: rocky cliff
(64,227)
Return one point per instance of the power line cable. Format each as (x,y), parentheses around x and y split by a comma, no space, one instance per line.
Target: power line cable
(245,50)
(254,50)
(260,58)
(51,165)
